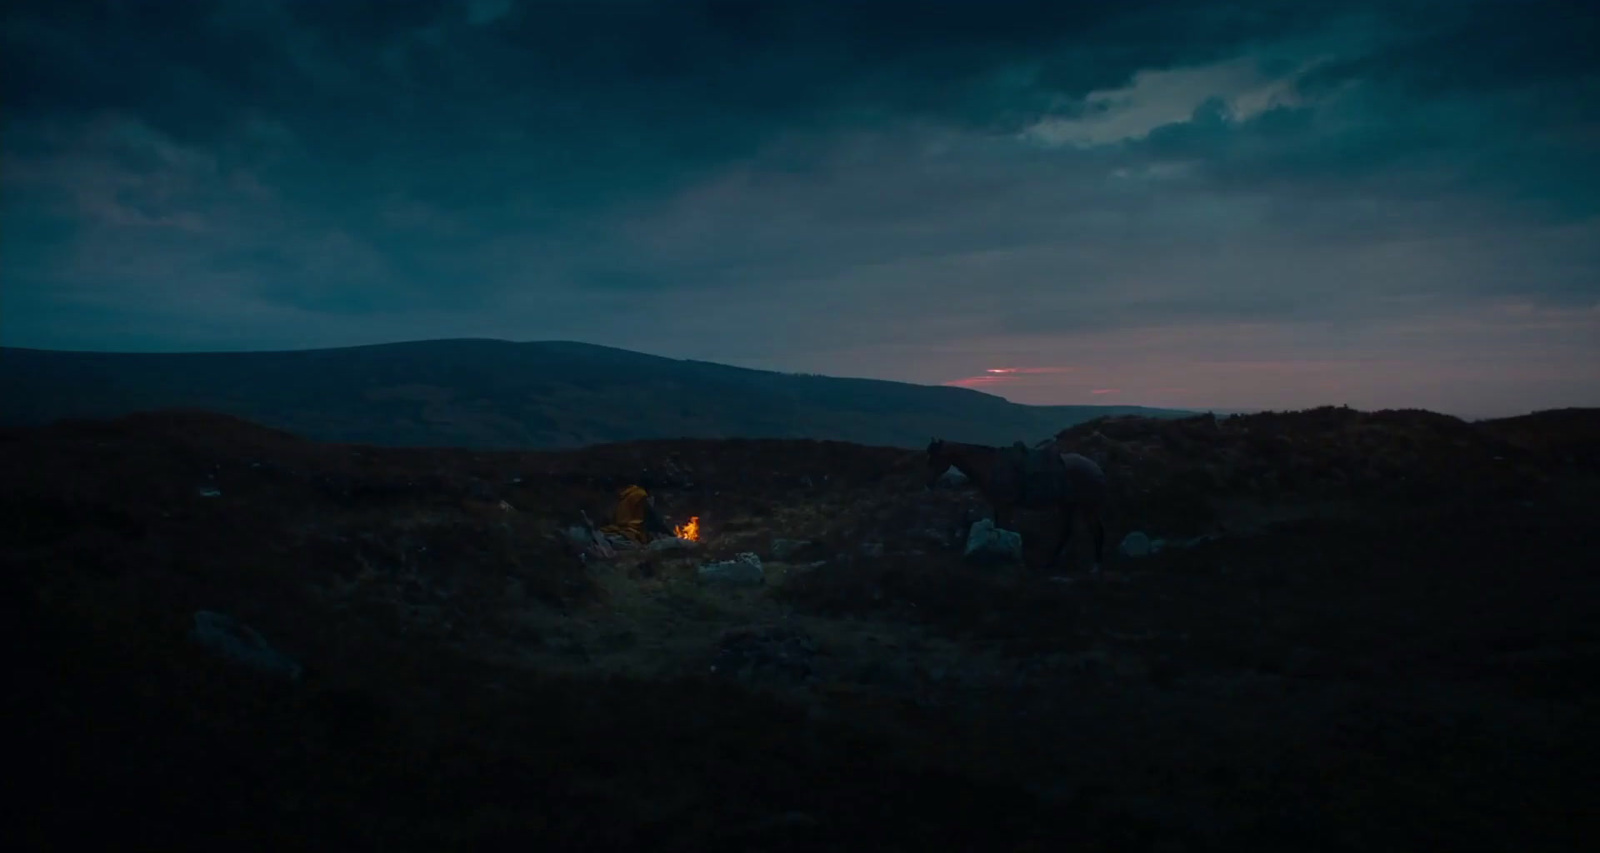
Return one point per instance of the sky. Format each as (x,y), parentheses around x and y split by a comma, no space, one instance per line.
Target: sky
(1374,203)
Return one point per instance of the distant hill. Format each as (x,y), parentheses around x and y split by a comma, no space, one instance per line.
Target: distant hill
(500,394)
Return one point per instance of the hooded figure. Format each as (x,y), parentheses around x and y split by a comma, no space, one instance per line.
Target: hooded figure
(635,516)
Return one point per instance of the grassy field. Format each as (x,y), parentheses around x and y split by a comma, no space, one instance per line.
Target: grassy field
(1395,659)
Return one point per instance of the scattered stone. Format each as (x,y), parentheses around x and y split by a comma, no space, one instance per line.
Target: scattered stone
(872,549)
(989,545)
(590,542)
(743,570)
(229,638)
(673,543)
(210,492)
(952,478)
(1136,544)
(621,543)
(1141,544)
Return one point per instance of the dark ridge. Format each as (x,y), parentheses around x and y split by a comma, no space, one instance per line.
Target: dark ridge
(499,394)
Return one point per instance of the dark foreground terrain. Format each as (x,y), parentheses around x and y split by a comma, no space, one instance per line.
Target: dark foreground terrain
(1367,632)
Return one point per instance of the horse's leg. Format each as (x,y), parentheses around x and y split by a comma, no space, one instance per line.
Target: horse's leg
(1068,516)
(1099,542)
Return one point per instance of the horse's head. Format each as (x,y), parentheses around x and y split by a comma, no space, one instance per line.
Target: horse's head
(938,460)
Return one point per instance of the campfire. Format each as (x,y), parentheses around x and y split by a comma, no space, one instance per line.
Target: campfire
(690,531)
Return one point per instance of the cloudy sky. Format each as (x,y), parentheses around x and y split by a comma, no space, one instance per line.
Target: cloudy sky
(1168,202)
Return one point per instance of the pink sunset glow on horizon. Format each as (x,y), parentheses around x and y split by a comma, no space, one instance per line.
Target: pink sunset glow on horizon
(1040,379)
(1286,384)
(975,381)
(1520,360)
(1005,375)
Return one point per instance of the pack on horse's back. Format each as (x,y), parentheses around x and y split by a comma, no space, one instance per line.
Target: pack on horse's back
(1039,473)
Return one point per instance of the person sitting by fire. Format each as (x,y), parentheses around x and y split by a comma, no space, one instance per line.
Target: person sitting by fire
(635,517)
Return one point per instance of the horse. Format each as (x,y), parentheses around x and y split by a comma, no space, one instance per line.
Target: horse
(1019,478)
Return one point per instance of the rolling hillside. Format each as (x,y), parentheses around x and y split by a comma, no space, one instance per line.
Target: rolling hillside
(498,394)
(1365,631)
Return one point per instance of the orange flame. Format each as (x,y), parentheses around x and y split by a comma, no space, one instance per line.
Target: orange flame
(690,531)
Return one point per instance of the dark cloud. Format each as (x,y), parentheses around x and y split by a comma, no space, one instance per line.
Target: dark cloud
(1483,46)
(797,183)
(590,90)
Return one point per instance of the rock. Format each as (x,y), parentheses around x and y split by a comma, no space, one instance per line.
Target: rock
(872,549)
(590,542)
(673,543)
(1141,544)
(1136,544)
(952,478)
(229,638)
(987,544)
(210,492)
(743,570)
(621,543)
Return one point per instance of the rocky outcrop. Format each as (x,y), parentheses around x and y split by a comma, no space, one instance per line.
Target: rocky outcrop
(990,545)
(743,570)
(226,637)
(1171,474)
